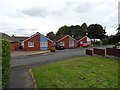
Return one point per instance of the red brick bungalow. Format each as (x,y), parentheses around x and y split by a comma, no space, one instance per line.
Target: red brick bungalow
(67,42)
(85,39)
(37,42)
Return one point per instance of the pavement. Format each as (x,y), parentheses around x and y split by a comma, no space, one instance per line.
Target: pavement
(24,53)
(20,76)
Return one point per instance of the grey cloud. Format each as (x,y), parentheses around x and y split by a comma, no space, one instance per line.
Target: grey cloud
(78,7)
(82,8)
(37,11)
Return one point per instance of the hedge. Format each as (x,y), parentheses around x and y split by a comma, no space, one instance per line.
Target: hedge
(6,67)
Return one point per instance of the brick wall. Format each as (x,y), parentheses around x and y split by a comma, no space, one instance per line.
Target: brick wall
(36,40)
(50,44)
(14,46)
(66,42)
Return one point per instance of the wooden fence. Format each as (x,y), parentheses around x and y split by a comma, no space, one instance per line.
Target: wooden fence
(99,51)
(89,52)
(113,52)
(104,52)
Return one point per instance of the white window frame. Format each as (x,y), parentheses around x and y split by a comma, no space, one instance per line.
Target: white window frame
(30,44)
(43,44)
(62,43)
(71,43)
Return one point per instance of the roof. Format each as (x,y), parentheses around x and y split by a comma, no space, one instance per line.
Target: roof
(95,39)
(5,36)
(67,36)
(19,38)
(35,35)
(82,38)
(13,38)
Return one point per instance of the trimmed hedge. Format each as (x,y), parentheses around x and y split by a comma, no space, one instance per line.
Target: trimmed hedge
(6,67)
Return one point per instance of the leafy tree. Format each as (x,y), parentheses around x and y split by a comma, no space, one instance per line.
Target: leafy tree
(96,31)
(84,29)
(118,28)
(51,35)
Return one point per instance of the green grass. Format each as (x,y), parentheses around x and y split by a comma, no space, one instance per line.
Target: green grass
(83,72)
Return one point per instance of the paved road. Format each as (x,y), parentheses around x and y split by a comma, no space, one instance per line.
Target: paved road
(21,78)
(31,59)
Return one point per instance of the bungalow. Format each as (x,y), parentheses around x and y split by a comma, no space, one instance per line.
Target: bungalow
(67,42)
(37,42)
(85,39)
(14,45)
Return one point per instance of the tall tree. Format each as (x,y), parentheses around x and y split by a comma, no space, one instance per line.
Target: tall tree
(118,28)
(96,31)
(84,29)
(51,35)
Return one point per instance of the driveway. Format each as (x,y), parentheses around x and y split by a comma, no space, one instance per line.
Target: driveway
(21,78)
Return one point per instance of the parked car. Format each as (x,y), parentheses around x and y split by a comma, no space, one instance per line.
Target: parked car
(84,45)
(58,47)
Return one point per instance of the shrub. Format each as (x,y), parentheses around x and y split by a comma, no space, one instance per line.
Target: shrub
(5,60)
(91,45)
(105,41)
(97,43)
(53,49)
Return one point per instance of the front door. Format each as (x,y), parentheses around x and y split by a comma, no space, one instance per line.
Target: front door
(43,43)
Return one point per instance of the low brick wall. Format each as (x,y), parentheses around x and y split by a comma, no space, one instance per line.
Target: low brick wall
(89,52)
(113,52)
(99,51)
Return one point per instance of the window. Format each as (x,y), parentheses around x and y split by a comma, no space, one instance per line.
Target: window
(71,43)
(61,43)
(30,44)
(81,42)
(43,44)
(88,42)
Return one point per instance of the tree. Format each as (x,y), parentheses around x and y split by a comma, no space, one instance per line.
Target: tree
(68,30)
(118,28)
(84,29)
(96,31)
(51,35)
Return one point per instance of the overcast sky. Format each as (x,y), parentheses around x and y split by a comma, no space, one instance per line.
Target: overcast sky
(26,17)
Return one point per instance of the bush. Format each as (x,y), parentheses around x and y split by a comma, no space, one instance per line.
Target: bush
(91,45)
(5,60)
(53,49)
(97,43)
(105,41)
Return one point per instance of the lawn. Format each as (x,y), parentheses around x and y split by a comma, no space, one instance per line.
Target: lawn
(83,72)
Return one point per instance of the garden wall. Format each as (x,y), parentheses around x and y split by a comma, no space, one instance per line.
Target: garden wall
(14,46)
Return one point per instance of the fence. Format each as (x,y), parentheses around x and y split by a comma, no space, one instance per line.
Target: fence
(113,52)
(99,51)
(89,52)
(104,52)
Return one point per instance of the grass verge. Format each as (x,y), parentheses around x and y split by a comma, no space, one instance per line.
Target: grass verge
(83,72)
